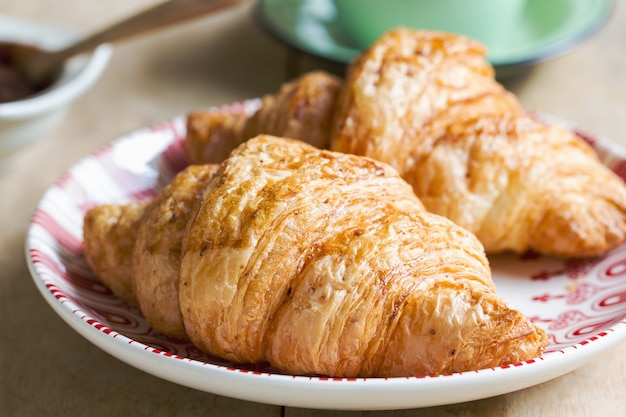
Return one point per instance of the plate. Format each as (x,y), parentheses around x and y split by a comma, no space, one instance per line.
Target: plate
(581,304)
(545,29)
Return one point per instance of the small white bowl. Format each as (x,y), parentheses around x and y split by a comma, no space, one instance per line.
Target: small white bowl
(32,118)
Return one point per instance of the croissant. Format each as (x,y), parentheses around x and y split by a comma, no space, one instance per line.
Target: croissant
(428,104)
(111,232)
(155,260)
(135,248)
(318,262)
(302,109)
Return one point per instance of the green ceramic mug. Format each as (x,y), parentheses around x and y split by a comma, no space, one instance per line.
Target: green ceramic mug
(487,21)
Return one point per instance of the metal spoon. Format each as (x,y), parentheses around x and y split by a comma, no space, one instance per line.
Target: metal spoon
(40,67)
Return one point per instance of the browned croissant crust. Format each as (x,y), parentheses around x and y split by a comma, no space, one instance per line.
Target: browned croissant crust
(302,109)
(428,104)
(325,263)
(156,255)
(111,232)
(318,262)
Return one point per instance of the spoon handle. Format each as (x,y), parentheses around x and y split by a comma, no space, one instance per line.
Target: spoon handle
(163,14)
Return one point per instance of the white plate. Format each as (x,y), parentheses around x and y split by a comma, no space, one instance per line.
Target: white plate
(582,304)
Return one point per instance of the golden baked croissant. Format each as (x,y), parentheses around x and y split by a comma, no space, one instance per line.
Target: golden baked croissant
(302,109)
(318,262)
(111,232)
(428,104)
(135,248)
(156,255)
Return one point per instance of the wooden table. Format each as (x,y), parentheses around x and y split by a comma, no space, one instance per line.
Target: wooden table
(48,369)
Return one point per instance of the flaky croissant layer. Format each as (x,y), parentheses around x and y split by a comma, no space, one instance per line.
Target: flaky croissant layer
(428,104)
(318,263)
